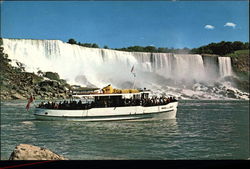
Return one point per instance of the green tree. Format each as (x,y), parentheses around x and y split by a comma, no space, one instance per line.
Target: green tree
(246,45)
(237,45)
(52,75)
(162,50)
(72,41)
(150,49)
(221,48)
(87,45)
(40,73)
(94,45)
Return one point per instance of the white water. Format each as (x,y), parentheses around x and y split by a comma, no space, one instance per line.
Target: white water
(225,66)
(99,67)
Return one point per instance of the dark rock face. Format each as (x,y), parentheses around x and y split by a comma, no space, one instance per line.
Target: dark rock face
(240,62)
(30,152)
(17,89)
(17,84)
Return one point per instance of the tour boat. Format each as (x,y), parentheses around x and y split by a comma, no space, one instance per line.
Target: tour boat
(109,105)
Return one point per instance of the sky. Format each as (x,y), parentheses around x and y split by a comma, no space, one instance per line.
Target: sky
(120,24)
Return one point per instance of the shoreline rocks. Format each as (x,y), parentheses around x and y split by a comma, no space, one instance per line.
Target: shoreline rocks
(16,83)
(30,152)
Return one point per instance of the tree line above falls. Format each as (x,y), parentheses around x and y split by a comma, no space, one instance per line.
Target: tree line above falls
(222,48)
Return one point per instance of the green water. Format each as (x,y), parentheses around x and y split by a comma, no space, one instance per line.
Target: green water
(202,130)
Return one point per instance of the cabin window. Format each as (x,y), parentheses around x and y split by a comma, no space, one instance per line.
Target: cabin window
(108,101)
(145,95)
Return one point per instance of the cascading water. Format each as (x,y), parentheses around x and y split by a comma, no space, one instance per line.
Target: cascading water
(225,66)
(99,67)
(73,63)
(211,67)
(189,66)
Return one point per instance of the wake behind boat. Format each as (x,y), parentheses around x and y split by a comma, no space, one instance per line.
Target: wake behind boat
(109,104)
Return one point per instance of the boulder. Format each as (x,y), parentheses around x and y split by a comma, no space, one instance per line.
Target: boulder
(30,152)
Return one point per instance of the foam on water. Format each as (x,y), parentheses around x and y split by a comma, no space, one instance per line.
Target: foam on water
(27,122)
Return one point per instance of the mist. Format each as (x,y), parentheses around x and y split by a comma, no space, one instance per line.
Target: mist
(99,67)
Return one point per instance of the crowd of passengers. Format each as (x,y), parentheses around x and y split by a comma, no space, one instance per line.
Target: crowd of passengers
(106,103)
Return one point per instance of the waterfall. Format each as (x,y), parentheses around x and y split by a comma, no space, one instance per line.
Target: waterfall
(99,67)
(225,66)
(189,66)
(211,67)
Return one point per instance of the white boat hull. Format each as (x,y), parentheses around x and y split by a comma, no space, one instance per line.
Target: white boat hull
(110,113)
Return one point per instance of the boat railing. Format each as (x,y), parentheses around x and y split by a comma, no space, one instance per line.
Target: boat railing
(73,105)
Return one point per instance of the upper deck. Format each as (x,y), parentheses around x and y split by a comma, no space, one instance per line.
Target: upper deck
(123,95)
(109,92)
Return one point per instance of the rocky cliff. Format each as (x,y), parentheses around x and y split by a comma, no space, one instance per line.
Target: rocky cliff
(17,84)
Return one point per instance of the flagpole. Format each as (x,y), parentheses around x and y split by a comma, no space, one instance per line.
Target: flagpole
(132,71)
(30,100)
(134,82)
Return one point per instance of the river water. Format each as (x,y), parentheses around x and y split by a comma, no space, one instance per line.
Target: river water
(202,130)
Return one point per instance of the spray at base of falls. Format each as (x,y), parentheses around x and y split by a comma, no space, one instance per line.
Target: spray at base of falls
(99,67)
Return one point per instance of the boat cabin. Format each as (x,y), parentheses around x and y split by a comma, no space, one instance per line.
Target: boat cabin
(108,97)
(114,99)
(78,90)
